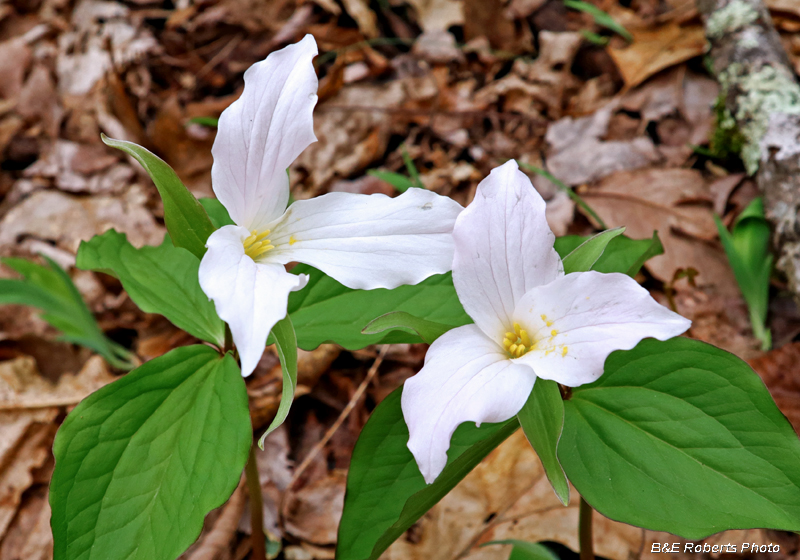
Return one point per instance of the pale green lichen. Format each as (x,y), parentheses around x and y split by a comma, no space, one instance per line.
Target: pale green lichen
(760,94)
(731,18)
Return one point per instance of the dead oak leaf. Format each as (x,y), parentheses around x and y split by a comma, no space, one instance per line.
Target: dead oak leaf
(676,203)
(653,50)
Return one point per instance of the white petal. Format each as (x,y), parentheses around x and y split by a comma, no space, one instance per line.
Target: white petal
(263,132)
(250,297)
(369,241)
(466,377)
(578,320)
(504,248)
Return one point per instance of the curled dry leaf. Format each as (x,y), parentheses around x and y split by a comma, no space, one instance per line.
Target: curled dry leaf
(435,15)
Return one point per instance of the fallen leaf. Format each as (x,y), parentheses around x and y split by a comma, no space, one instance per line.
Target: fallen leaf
(653,50)
(360,11)
(313,512)
(676,202)
(780,370)
(788,6)
(578,154)
(29,536)
(68,220)
(433,15)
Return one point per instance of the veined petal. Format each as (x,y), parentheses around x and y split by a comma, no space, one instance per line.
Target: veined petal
(504,248)
(466,377)
(368,241)
(250,297)
(576,321)
(263,132)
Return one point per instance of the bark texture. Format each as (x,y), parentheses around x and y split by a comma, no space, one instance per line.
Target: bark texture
(762,100)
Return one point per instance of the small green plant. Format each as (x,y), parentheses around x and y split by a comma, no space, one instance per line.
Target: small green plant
(399,181)
(601,18)
(50,289)
(747,248)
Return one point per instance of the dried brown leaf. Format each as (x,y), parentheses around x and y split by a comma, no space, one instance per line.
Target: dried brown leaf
(653,50)
(676,202)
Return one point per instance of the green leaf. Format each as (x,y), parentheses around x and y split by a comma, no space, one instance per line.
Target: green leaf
(187,222)
(51,290)
(526,550)
(216,212)
(622,254)
(159,279)
(542,420)
(428,331)
(747,248)
(584,256)
(141,462)
(400,182)
(286,344)
(601,18)
(683,437)
(327,311)
(386,493)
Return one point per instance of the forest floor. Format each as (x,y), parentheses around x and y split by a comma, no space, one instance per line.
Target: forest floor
(625,117)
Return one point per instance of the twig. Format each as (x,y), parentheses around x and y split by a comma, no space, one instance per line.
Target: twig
(332,430)
(342,416)
(256,507)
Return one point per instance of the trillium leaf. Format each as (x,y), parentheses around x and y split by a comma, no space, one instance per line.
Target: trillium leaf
(217,213)
(50,289)
(327,311)
(542,420)
(523,550)
(583,257)
(622,254)
(683,437)
(159,280)
(141,462)
(428,331)
(186,220)
(286,343)
(386,493)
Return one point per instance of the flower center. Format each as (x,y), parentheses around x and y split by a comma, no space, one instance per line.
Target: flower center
(257,244)
(518,342)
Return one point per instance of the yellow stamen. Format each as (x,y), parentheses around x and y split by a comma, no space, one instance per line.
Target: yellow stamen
(256,244)
(563,351)
(518,342)
(292,240)
(553,332)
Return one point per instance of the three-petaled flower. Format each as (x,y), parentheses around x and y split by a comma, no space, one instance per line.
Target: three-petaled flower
(531,320)
(363,241)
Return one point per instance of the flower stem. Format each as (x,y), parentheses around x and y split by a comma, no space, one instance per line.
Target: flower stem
(228,340)
(585,530)
(256,507)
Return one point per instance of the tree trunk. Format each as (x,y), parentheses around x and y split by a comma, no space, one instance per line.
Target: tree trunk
(762,100)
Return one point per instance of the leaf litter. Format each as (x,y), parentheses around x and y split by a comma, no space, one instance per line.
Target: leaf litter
(458,86)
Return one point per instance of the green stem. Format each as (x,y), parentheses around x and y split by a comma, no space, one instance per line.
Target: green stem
(585,530)
(256,507)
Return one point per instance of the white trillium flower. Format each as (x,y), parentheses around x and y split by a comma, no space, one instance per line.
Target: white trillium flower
(531,320)
(363,241)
